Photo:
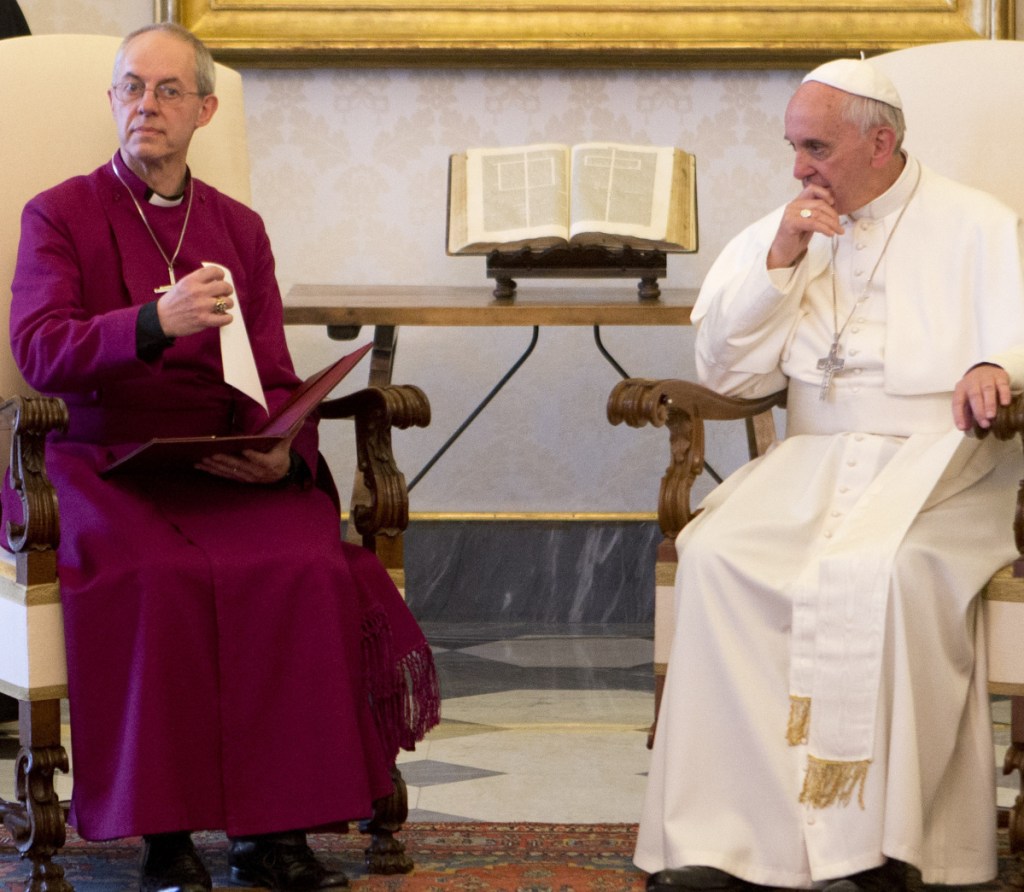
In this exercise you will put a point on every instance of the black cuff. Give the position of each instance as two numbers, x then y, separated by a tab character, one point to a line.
297	471
150	340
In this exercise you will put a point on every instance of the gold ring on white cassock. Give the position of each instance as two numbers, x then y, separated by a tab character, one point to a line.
806	213
220	307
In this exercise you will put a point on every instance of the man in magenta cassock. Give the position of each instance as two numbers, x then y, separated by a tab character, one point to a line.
232	664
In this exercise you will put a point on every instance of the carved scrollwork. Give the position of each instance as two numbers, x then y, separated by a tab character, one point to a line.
1014	761
637	402
376	411
36	820
30	420
386	854
682	407
1007	424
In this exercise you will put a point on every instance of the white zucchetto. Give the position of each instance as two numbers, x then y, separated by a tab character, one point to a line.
856	76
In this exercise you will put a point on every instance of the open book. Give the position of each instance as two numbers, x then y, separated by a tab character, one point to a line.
168	452
592	193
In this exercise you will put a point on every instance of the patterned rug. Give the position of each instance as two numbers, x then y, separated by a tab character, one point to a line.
475	857
470	857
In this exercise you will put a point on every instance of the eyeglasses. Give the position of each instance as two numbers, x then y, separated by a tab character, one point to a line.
165	94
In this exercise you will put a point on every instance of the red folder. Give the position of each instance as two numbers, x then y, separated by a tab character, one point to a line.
165	452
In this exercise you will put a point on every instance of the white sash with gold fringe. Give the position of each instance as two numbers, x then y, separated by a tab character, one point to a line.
839	616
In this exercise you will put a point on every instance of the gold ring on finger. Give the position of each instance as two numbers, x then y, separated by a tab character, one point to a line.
220	307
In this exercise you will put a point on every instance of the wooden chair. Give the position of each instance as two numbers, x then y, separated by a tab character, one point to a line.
961	101
57	124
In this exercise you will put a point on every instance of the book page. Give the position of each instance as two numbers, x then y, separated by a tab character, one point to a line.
518	193
621	189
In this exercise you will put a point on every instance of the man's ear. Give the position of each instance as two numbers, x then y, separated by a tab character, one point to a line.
206	110
884	146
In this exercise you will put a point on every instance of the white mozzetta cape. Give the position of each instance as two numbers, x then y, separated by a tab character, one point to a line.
954	289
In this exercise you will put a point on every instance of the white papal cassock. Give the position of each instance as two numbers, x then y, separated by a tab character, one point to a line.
843	566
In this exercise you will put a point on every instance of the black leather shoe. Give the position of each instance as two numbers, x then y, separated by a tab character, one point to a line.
170	863
889	877
680	879
282	862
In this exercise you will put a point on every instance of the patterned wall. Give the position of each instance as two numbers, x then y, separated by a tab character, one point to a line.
349	172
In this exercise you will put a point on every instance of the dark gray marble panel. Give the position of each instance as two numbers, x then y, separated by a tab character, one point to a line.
531	571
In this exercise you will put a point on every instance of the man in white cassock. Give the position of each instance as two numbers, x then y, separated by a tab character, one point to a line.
825	720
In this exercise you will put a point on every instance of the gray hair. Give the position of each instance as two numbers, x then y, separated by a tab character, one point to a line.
205	70
865	113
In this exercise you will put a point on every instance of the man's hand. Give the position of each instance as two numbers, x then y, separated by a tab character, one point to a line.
250	466
978	394
810	212
190	306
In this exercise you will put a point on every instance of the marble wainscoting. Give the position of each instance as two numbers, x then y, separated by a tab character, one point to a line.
534	570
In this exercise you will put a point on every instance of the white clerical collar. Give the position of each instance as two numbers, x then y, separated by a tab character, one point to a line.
162	201
137	185
893	198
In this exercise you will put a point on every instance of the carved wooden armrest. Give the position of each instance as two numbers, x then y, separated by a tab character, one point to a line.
1008	423
376	410
35	538
35	818
682	406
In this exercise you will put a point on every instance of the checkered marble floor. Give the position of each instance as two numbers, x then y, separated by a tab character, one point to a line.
538	724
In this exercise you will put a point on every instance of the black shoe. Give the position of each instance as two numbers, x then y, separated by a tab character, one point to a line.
890	877
170	863
681	879
280	861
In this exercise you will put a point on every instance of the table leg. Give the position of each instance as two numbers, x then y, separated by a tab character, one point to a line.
382	357
460	430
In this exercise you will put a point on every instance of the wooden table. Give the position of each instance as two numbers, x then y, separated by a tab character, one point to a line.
464	305
343	309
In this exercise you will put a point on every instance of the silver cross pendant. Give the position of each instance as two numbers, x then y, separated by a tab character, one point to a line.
829	365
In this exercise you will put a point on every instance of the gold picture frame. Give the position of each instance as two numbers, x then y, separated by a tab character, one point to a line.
562	33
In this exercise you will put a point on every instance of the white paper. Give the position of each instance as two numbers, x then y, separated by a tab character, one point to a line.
236	351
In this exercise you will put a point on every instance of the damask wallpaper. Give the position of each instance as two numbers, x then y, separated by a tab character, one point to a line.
349	172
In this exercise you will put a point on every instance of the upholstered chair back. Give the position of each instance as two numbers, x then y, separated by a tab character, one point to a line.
951	93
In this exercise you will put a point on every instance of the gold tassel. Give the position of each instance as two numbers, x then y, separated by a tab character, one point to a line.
799	720
827	782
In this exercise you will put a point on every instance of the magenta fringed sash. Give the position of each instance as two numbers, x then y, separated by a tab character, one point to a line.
405	696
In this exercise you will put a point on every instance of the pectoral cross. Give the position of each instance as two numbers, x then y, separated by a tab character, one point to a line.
829	365
170	285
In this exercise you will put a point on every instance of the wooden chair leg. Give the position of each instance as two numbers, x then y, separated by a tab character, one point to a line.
1014	761
386	854
36	819
664	621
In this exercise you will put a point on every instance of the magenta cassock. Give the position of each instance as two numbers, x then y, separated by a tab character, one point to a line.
232	664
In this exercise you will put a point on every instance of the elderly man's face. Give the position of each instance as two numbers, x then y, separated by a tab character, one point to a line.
831	152
152	132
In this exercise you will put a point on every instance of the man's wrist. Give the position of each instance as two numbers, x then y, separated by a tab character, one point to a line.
150	340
